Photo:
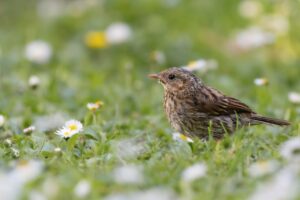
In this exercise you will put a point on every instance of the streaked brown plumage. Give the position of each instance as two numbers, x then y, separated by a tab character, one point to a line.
195	109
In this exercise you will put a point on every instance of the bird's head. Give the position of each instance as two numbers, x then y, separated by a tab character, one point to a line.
176	80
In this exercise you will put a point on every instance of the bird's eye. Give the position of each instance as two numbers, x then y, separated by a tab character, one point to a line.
171	76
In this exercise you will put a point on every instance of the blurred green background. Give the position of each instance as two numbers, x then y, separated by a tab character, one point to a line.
181	30
160	34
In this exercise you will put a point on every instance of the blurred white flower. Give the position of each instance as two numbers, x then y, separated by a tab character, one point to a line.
277	24
159	57
38	52
26	170
78	7
250	8
57	149
252	38
294	97
181	137
194	172
284	185
2	120
48	9
201	65
262	168
29	129
128	174
261	81
94	106
158	193
34	81
118	33
82	189
50	187
290	149
12	182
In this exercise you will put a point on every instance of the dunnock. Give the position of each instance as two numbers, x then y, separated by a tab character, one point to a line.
195	109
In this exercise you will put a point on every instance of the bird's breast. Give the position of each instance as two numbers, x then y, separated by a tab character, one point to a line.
177	109
182	110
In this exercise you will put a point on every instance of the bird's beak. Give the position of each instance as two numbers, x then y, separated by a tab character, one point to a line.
154	76
157	77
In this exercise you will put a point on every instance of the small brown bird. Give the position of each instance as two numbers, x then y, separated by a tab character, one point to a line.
195	109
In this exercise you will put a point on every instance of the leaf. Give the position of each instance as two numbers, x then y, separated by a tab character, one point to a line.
72	141
92	134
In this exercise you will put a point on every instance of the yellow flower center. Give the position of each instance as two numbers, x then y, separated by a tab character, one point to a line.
183	137
73	127
23	163
67	133
192	64
99	103
263	165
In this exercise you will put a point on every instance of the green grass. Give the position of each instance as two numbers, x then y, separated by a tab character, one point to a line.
117	75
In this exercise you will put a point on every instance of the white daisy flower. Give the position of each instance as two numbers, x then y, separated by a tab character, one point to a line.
253	37
2	120
181	137
38	52
262	168
94	106
118	33
250	8
290	149
74	126
70	128
34	81
65	133
201	65
194	172
261	81
129	174
29	129
294	97
82	189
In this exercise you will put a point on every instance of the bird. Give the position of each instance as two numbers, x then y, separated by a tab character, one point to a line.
197	110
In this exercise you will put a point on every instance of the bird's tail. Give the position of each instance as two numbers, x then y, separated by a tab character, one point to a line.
269	120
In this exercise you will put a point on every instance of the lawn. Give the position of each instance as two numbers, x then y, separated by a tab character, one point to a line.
88	60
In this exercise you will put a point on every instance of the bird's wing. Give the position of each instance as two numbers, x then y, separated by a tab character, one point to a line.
215	103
